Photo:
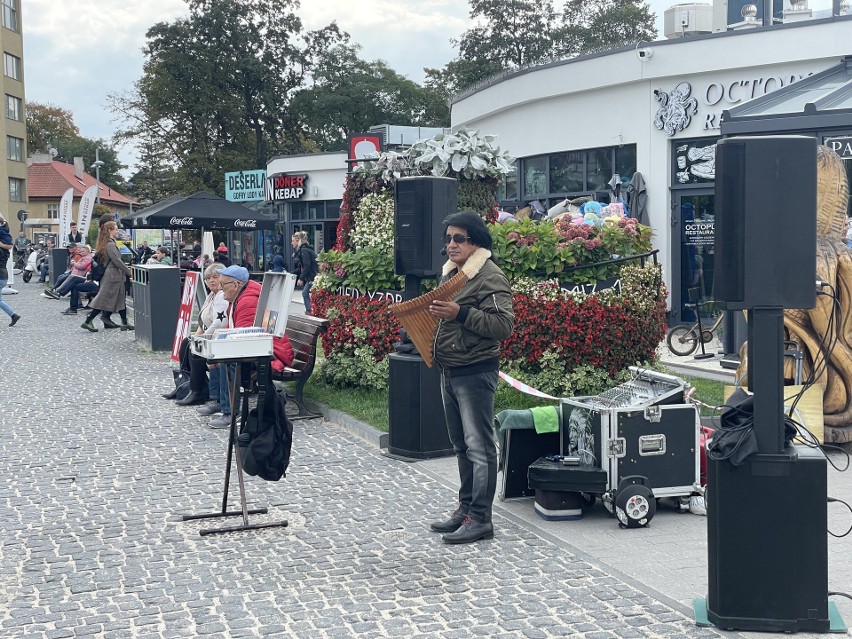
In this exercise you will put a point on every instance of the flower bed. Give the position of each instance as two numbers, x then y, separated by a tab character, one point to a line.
559	340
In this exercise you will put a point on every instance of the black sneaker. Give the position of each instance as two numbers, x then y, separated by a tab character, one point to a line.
69	311
15	319
51	293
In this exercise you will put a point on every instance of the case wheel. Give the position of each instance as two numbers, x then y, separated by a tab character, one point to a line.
635	506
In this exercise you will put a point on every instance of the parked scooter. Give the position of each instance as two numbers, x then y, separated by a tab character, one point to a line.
34	262
21	259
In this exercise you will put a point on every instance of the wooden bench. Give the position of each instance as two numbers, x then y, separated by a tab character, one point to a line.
303	332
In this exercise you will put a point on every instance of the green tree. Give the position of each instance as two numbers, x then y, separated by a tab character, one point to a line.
350	95
599	25
46	124
512	34
216	88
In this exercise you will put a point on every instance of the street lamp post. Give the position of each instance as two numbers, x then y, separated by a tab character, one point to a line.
98	164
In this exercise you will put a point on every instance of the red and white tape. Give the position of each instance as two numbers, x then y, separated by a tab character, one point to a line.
524	388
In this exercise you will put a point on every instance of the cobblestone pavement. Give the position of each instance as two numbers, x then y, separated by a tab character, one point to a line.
96	470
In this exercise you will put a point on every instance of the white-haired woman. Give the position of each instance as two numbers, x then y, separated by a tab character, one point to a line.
5	246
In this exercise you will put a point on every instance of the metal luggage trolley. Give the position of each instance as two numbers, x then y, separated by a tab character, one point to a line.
242	346
644	436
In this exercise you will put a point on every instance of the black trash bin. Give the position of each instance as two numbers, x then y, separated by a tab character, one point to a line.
57	262
417	428
156	302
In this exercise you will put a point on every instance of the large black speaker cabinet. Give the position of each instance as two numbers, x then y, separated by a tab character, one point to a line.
417	428
420	206
767	543
766	222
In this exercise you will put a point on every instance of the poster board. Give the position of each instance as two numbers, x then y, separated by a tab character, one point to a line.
187	303
273	306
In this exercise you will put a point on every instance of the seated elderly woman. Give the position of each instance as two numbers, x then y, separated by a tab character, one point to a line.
213	315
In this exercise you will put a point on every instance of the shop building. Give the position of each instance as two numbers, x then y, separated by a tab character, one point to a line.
306	191
587	125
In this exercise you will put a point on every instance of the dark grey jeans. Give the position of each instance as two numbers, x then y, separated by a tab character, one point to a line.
469	409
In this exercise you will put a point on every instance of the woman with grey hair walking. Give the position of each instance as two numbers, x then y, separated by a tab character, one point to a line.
5	246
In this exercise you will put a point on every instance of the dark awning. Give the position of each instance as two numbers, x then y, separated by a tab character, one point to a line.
821	101
201	210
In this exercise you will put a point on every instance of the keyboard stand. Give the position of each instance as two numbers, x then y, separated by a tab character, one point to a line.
236	391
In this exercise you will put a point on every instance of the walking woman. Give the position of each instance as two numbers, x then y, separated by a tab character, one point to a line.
5	247
111	295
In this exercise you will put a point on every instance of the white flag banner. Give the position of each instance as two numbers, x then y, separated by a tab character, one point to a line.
65	214
84	210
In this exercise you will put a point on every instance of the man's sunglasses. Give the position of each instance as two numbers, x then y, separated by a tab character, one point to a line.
458	238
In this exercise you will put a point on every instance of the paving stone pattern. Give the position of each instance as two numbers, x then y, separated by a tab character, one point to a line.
96	470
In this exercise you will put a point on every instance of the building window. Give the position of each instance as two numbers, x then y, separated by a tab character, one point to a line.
553	177
12	66
14	148
53	211
14	110
535	177
17	191
10	14
507	190
566	172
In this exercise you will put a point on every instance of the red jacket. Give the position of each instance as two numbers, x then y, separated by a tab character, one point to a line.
242	312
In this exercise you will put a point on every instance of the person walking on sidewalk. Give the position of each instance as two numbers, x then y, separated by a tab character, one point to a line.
467	350
111	294
305	266
5	246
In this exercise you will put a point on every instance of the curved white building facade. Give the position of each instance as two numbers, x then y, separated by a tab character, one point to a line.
655	109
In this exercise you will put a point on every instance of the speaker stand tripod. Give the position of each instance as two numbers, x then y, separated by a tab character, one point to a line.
238	391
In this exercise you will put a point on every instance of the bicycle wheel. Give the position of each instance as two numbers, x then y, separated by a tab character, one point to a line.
682	340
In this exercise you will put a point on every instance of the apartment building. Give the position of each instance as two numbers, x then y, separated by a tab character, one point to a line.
13	170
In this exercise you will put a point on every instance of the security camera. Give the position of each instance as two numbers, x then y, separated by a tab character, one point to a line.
644	54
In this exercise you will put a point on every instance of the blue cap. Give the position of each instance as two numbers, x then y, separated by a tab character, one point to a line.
237	272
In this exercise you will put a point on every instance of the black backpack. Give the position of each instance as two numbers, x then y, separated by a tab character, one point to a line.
183	374
266	439
98	270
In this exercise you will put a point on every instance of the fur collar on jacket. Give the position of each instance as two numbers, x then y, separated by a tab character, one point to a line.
473	264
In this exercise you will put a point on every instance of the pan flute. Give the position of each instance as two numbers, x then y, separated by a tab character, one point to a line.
416	319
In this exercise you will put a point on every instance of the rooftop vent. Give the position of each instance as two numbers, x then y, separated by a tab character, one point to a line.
691	19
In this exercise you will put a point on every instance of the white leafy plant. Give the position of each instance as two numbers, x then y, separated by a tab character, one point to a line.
466	153
374	222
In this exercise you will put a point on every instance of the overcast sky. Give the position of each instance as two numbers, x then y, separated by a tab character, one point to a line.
77	53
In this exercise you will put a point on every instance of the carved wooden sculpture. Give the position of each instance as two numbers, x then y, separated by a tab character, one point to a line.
827	343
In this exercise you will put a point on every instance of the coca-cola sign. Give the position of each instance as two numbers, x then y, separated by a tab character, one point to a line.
246	224
181	221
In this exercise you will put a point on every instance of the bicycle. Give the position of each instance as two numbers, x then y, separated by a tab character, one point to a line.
683	340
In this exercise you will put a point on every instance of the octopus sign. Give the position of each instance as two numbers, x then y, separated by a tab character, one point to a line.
676	109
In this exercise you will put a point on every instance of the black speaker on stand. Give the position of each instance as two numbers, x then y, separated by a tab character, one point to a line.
767	517
417	428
